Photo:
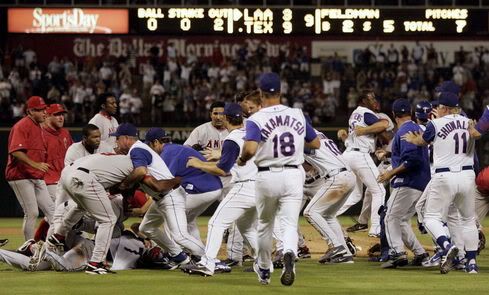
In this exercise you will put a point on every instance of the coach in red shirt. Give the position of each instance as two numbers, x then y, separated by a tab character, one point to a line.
26	165
58	140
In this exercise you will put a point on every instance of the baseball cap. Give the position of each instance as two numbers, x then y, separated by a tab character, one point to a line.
448	99
126	129
233	110
36	102
269	82
448	86
55	108
154	133
423	109
401	106
435	103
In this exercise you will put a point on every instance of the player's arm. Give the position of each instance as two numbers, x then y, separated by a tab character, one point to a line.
311	138
141	159
474	133
481	127
342	135
162	184
252	138
22	157
375	125
230	153
421	139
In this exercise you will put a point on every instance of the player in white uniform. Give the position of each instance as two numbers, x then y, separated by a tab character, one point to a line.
322	209
239	205
105	119
276	135
453	181
168	208
86	183
364	124
208	138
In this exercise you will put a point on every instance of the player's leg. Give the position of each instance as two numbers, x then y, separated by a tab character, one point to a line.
368	173
354	197
465	202
176	221
195	205
52	188
438	200
366	208
44	200
456	234
235	245
481	206
14	259
25	192
239	200
409	237
151	227
59	209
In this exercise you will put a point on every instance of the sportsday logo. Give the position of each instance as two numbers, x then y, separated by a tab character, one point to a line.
75	20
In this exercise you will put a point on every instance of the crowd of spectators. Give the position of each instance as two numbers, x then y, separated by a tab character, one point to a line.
175	90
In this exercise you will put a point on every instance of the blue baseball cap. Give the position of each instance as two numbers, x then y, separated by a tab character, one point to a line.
233	110
423	110
448	86
269	82
435	103
126	129
154	133
448	99
401	106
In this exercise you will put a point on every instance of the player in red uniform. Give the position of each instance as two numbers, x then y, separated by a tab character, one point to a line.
26	165
58	140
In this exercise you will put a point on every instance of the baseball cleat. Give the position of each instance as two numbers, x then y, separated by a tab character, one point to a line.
333	253
263	274
418	260
56	244
278	260
357	227
94	268
446	263
344	258
303	252
434	260
25	249
472	268
231	262
288	272
248	258
459	263
395	260
198	269
222	268
38	249
3	242
178	260
351	246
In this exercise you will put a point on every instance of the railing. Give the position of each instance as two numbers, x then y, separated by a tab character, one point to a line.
284	3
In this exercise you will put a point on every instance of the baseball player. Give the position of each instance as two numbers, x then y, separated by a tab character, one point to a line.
364	124
276	135
453	181
409	176
105	120
322	209
207	138
58	139
90	144
86	184
202	189
239	205
27	165
168	207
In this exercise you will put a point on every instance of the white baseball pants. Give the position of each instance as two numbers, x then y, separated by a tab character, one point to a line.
32	194
195	205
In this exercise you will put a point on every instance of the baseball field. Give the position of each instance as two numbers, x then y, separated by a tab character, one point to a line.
362	277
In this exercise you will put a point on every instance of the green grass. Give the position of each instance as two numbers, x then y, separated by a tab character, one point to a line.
362	277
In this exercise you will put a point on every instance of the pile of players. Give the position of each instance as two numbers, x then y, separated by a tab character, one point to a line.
258	158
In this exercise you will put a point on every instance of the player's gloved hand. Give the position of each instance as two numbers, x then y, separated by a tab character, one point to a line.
421	228
44	167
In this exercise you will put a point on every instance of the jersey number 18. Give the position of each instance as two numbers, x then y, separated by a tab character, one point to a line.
284	143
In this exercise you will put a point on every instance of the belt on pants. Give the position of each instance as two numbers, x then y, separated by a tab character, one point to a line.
241	181
358	150
336	172
83	169
260	169
446	169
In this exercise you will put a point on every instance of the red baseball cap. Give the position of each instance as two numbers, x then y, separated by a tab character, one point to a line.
36	102
55	108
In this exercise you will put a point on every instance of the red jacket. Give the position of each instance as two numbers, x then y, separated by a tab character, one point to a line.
27	136
58	142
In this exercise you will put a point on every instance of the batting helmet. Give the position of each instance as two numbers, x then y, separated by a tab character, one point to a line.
423	110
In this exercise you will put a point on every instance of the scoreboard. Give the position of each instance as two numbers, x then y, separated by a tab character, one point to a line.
310	21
